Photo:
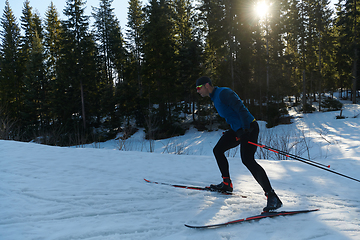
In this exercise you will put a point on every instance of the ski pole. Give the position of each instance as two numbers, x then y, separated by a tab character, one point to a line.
304	160
288	154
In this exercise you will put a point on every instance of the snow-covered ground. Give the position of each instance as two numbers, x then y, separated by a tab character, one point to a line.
98	192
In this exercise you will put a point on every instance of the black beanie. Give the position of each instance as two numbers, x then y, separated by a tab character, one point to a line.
203	80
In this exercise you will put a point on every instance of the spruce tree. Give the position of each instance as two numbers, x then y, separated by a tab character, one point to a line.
28	27
131	88
189	55
343	48
347	24
159	54
107	34
52	40
212	16
52	46
135	26
35	84
10	77
76	69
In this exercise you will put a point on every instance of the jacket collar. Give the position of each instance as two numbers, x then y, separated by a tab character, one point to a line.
213	92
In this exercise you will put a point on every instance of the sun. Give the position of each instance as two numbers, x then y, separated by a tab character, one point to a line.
261	9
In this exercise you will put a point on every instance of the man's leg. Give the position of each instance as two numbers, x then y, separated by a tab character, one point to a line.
247	152
226	142
248	158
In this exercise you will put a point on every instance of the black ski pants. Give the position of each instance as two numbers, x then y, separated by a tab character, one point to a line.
247	152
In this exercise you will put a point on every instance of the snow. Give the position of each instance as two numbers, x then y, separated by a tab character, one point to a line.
97	192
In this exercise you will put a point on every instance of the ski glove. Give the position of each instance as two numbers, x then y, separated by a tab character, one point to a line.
243	133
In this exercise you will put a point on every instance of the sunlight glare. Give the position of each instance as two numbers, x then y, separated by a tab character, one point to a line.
261	9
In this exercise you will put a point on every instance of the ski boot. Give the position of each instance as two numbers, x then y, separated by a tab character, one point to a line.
273	201
224	186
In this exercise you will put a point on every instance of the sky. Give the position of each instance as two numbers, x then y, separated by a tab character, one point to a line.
120	8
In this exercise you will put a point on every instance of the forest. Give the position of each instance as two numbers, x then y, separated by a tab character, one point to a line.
83	78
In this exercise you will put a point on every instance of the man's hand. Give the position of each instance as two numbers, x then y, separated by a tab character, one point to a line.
243	134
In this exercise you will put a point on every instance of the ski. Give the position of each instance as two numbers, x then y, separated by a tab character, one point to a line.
257	217
194	188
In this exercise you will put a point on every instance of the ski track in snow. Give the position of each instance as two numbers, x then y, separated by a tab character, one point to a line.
84	193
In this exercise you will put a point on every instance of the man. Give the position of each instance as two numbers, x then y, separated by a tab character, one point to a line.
244	128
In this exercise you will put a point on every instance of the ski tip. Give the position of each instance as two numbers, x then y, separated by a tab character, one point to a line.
197	227
296	211
257	217
313	210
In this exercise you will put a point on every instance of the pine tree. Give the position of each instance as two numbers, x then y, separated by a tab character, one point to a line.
277	60
76	68
105	23
212	16
52	40
131	88
52	46
36	86
10	77
325	47
28	27
348	15
159	55
35	83
343	65
135	26
189	55
111	55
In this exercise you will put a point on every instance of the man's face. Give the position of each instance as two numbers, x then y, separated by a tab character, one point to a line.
203	90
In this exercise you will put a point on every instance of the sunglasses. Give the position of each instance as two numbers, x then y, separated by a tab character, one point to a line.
199	87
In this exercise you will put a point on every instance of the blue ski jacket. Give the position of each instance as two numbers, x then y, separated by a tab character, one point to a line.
231	107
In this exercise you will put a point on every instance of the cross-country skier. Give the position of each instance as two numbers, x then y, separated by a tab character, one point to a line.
244	128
